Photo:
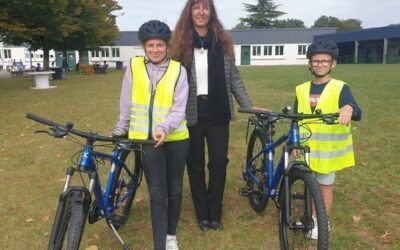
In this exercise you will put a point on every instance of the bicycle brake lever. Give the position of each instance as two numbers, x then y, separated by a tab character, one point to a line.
58	132
43	132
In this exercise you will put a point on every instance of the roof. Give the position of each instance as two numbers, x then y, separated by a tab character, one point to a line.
278	36
260	36
363	35
127	38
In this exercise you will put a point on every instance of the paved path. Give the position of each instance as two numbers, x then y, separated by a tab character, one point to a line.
4	74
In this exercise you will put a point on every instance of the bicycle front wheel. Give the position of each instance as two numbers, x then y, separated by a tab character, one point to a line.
303	193
256	191
126	185
69	223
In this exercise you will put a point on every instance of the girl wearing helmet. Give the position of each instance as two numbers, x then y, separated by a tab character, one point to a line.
331	145
152	106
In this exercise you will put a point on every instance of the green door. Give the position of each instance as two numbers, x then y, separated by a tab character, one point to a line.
59	57
245	55
71	59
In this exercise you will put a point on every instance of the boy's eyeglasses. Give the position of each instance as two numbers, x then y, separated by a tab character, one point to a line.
322	62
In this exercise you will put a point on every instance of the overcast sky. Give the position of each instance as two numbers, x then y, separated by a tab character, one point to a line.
372	13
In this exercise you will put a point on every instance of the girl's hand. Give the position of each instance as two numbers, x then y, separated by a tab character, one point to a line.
159	136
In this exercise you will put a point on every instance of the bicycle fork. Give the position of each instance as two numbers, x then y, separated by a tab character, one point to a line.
286	194
88	201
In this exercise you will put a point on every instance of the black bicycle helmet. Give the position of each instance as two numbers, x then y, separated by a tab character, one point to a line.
323	46
154	29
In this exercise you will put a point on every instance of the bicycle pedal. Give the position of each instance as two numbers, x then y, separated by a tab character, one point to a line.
118	220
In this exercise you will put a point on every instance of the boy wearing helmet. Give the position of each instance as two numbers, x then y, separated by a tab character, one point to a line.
331	145
152	106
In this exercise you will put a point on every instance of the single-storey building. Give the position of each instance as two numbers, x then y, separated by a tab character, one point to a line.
374	45
252	47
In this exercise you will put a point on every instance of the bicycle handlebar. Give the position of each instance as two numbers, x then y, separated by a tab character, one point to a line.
329	118
95	137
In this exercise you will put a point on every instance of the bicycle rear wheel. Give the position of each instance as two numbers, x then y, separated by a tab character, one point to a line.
304	192
126	185
256	192
69	223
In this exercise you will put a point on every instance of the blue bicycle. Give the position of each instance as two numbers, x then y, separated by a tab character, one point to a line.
87	200
290	184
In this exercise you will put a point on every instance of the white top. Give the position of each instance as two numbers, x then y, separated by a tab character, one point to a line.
201	67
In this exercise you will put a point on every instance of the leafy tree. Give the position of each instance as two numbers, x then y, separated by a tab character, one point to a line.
58	24
290	23
96	24
241	26
327	21
262	15
350	24
341	25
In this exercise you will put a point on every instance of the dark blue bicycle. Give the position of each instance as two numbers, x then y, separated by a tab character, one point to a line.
87	200
290	184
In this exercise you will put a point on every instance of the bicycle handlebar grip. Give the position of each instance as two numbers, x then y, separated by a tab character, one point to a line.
137	141
40	119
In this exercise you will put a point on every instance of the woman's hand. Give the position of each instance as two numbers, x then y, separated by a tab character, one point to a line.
159	136
260	109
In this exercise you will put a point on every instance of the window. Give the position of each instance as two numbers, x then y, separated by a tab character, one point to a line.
267	50
7	53
301	50
256	50
279	50
95	53
115	52
105	52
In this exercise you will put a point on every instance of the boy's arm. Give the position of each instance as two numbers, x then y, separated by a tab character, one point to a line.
346	98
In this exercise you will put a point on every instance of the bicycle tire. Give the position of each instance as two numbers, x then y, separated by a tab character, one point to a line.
133	161
258	199
70	220
303	189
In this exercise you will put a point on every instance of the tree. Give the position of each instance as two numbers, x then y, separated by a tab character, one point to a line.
290	23
326	21
58	24
350	24
262	15
241	26
341	25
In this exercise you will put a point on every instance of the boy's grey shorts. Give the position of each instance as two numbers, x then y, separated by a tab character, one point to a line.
325	179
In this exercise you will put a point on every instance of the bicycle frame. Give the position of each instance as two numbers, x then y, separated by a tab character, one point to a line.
87	165
292	141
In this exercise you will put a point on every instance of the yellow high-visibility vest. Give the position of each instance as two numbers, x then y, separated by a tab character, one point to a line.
149	109
331	146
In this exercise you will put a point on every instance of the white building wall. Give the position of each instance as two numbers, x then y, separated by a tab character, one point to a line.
290	56
238	54
22	53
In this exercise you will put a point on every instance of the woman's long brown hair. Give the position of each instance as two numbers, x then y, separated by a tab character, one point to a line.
182	41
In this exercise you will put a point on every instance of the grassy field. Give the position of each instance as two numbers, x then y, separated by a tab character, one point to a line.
366	212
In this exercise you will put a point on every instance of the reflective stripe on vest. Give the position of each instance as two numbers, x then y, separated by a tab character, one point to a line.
331	145
155	108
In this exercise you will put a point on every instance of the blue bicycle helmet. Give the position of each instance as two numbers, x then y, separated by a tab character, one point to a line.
323	46
154	29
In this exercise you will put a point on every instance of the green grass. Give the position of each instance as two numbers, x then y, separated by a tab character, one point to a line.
32	168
